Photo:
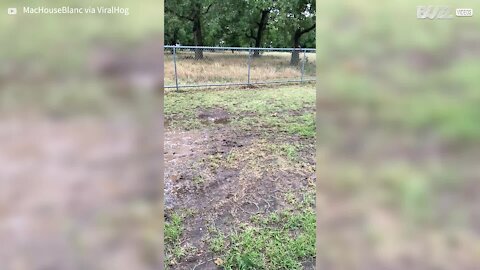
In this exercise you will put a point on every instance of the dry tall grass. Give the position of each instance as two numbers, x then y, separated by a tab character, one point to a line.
228	67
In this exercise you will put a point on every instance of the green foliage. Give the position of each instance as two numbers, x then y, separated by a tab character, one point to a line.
297	15
236	22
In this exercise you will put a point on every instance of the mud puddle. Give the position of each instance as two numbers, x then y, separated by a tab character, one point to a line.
181	148
214	116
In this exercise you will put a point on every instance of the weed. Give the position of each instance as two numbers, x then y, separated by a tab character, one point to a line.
172	233
290	151
217	243
290	198
198	179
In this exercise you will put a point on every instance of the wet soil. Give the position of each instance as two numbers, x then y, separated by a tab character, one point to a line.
200	180
215	116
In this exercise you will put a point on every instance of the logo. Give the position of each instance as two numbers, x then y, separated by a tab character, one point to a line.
434	12
12	11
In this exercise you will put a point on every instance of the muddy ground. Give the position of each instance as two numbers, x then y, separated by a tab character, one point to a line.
222	173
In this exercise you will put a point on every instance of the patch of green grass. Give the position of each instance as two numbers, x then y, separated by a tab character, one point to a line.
172	233
198	179
279	241
299	125
173	228
303	125
290	198
287	150
217	244
308	200
214	161
231	157
250	109
283	239
290	151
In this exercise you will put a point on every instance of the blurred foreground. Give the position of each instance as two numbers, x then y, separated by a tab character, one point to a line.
81	148
398	138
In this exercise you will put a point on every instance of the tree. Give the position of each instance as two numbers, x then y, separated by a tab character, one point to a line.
176	30
298	19
241	23
194	12
261	12
229	28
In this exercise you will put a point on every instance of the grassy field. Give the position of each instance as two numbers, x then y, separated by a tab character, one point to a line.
240	178
398	136
228	67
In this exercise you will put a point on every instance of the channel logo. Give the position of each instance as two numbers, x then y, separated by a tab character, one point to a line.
12	11
434	12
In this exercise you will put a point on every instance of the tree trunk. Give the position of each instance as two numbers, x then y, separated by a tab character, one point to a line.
198	36
295	58
262	26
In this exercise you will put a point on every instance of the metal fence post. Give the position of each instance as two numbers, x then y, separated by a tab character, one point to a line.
249	63
303	64
175	66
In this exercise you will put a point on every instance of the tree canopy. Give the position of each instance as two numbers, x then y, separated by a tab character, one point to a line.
241	23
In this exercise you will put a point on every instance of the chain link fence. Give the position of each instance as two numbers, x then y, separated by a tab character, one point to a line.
192	66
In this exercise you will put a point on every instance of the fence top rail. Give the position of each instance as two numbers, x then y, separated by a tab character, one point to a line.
239	48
